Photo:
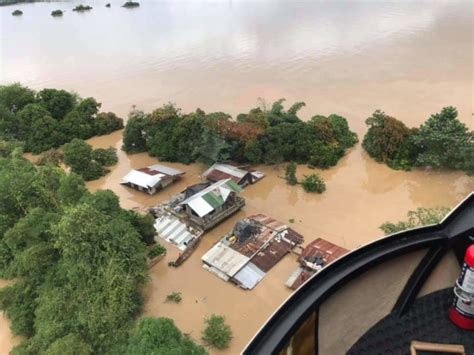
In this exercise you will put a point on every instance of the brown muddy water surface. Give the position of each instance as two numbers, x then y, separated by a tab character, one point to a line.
408	58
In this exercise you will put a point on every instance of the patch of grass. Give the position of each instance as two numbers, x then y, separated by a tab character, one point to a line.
291	220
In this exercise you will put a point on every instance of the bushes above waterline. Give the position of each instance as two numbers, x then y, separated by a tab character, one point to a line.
131	4
82	8
88	162
260	136
49	118
442	142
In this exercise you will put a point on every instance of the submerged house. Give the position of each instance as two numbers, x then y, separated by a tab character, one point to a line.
312	259
210	205
391	296
250	250
242	175
152	178
184	219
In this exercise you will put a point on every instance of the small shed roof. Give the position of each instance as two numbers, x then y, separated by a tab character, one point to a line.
165	170
211	197
220	171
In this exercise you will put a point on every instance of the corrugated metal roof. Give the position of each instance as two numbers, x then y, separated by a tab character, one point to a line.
247	256
227	169
150	176
171	229
211	197
165	170
225	259
249	276
142	179
200	206
221	171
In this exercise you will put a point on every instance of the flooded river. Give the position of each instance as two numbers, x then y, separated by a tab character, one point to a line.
408	58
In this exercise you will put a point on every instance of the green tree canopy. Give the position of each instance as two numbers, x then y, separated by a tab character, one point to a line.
156	336
78	258
260	136
50	118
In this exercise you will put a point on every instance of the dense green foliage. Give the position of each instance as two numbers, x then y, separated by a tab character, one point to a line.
87	162
17	13
442	142
49	118
53	156
260	136
156	250
290	174
78	259
217	333
56	13
420	217
313	183
156	336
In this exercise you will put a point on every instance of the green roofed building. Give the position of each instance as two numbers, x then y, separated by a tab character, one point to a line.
186	216
213	204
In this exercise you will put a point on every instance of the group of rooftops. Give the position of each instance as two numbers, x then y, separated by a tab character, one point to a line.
250	249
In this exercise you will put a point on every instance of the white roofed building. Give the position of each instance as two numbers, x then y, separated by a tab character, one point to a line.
151	179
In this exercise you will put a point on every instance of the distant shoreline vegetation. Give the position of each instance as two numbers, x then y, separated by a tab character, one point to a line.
82	8
14	2
131	4
263	135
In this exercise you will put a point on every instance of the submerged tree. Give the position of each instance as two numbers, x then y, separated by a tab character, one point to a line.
442	142
87	162
49	118
290	174
160	336
418	218
313	183
260	136
217	333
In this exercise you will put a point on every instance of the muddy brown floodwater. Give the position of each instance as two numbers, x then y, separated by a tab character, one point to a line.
409	58
360	196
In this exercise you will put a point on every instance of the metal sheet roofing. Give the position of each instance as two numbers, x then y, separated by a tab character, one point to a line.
249	276
142	179
150	176
211	197
227	169
225	259
221	171
165	170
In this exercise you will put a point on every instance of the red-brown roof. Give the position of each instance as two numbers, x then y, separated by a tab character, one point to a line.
323	248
